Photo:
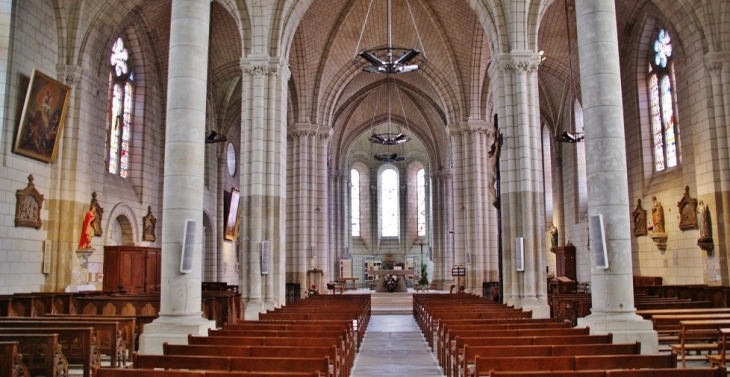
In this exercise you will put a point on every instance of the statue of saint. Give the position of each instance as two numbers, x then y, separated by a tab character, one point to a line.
553	235
703	223
87	229
657	215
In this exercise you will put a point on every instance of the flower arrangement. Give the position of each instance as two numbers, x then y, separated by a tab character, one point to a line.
391	281
424	275
313	290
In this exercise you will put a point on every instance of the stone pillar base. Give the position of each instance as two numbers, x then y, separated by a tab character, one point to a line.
540	309
253	308
271	305
626	328
173	330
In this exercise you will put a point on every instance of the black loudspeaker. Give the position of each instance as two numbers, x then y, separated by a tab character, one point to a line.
598	242
264	257
520	254
186	256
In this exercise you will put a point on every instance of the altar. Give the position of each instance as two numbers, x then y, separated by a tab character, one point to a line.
400	274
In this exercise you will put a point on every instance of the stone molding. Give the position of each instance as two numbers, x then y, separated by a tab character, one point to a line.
714	62
70	74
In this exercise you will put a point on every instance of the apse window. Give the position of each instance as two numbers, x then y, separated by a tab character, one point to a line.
421	198
355	202
121	86
231	159
389	203
663	102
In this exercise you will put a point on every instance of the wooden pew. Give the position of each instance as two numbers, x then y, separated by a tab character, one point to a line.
42	353
117	372
443	324
331	352
450	363
227	363
11	363
77	343
657	372
343	357
109	335
720	359
466	366
668	326
452	351
698	336
484	365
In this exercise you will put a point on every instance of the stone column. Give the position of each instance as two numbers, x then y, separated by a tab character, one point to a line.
522	194
263	181
182	199
612	293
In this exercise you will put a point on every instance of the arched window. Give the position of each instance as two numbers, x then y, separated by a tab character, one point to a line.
662	102
121	88
389	204
355	202
421	197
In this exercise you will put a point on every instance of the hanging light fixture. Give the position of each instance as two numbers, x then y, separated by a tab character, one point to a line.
384	143
389	59
569	136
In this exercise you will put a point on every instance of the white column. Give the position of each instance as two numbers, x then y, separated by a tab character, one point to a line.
612	293
521	186
182	199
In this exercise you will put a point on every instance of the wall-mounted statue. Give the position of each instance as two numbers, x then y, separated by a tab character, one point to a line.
98	230
704	223
87	229
687	211
553	235
657	216
639	217
150	224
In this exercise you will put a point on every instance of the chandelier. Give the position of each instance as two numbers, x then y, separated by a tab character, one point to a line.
390	59
384	143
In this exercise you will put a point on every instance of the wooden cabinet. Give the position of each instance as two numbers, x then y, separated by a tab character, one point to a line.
565	261
132	269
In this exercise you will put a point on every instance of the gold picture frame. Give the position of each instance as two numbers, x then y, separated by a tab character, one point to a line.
231	215
43	117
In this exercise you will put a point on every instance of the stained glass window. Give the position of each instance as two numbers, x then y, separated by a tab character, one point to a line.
662	103
421	197
389	203
355	202
120	115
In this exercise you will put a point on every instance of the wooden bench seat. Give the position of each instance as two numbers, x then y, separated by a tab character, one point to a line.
657	372
331	352
484	365
698	336
228	363
668	326
109	334
117	372
11	361
77	343
42	353
466	366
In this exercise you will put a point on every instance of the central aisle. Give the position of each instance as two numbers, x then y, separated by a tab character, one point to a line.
393	346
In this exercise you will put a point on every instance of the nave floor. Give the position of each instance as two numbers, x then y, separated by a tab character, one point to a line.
394	346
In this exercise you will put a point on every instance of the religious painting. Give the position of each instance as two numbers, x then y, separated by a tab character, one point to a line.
231	214
42	119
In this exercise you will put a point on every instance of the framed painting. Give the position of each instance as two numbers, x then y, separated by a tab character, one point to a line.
41	122
231	215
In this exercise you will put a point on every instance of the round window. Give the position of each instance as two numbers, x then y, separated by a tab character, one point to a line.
231	158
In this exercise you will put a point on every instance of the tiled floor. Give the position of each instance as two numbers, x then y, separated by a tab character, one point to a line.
393	346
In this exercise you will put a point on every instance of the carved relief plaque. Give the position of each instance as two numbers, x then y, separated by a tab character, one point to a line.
28	206
687	211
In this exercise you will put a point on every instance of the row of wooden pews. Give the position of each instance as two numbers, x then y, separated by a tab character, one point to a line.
320	335
702	331
492	344
78	328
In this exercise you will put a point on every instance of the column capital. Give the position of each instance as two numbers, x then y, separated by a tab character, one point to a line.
300	129
264	66
471	127
519	61
70	74
714	61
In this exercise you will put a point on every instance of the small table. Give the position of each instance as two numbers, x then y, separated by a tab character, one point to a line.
353	280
